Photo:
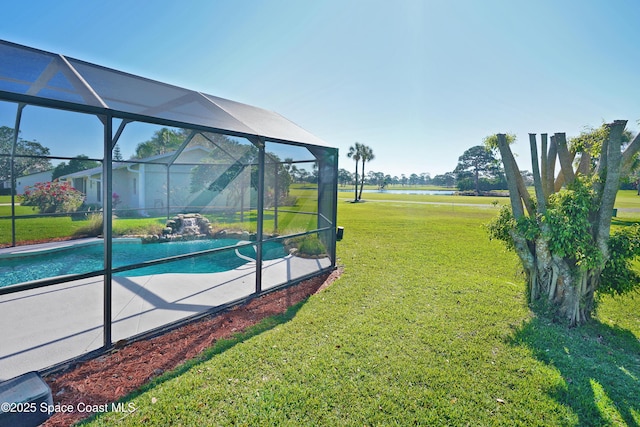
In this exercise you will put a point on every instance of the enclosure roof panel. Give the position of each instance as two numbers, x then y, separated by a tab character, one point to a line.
29	72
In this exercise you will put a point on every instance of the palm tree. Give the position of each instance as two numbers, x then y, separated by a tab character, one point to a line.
366	156
355	153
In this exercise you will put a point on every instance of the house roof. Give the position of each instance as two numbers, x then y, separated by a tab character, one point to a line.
39	77
118	165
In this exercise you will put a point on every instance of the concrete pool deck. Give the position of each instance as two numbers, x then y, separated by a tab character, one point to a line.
47	326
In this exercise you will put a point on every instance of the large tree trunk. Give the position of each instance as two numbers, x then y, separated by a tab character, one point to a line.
553	284
355	197
557	281
477	182
362	180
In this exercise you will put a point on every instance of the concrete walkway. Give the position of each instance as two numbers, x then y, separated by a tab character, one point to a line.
47	326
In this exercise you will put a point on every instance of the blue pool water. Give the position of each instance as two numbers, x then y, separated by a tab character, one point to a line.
87	258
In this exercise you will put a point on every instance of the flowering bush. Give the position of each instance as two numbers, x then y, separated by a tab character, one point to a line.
115	200
51	197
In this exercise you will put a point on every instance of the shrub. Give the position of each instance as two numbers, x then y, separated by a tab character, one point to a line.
93	227
127	212
308	246
85	210
311	246
53	197
115	200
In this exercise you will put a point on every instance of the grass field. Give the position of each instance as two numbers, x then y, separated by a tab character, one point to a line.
398	187
428	325
291	219
431	199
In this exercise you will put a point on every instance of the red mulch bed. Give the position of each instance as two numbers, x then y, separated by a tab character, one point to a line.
107	378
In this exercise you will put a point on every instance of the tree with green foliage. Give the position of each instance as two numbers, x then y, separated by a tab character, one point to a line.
444	180
21	165
163	141
355	153
562	234
117	154
344	177
77	164
476	163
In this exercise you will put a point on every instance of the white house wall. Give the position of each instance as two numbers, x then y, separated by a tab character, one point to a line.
94	187
31	180
123	186
143	186
154	183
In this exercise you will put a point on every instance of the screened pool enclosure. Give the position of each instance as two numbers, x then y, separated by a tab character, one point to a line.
130	205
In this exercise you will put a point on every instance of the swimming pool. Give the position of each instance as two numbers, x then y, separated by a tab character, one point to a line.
89	257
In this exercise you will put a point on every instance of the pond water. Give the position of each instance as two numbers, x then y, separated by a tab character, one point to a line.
87	258
407	191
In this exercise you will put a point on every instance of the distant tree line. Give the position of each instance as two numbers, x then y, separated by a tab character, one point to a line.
478	170
382	180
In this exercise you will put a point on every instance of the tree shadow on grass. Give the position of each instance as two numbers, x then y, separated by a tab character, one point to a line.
600	366
219	347
225	344
624	222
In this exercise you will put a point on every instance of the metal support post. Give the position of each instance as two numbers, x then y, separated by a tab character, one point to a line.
260	216
107	224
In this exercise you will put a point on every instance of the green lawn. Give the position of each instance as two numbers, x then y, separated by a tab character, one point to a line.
428	325
300	216
291	219
628	199
431	199
398	187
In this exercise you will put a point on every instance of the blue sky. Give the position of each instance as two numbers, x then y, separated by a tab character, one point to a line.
418	81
